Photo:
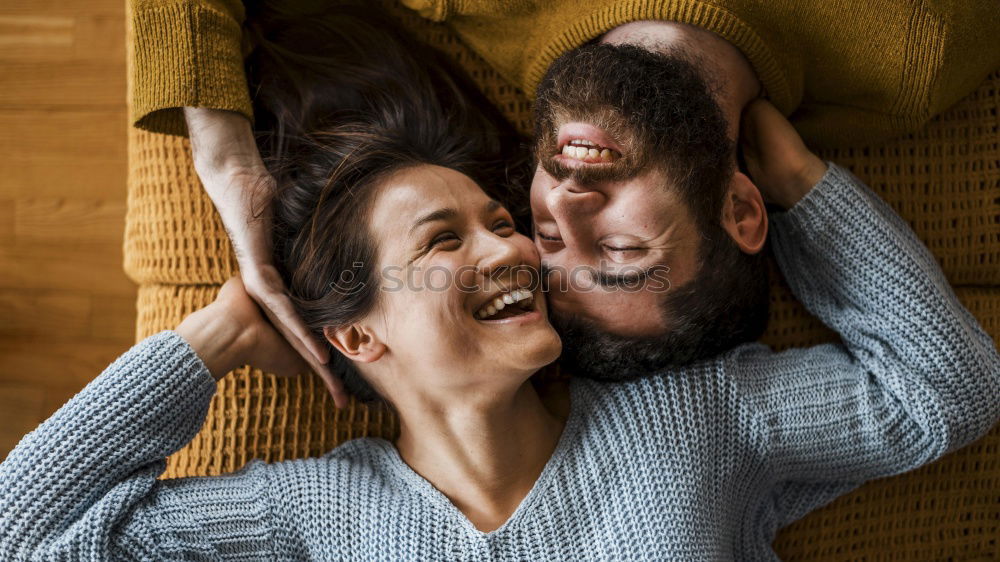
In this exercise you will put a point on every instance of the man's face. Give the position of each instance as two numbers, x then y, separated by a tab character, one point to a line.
612	223
613	245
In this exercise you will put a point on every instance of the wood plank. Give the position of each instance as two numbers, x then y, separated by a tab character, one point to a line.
52	134
59	314
56	153
21	409
72	362
63	8
39	177
44	38
75	221
6	221
112	318
30	34
94	269
62	84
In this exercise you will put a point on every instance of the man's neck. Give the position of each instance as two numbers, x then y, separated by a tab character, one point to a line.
728	72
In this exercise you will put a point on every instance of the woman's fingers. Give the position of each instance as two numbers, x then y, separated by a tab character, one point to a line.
274	354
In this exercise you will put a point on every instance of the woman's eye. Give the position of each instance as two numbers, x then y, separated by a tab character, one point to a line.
442	239
504	226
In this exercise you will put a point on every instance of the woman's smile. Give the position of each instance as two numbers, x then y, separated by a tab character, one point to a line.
505	305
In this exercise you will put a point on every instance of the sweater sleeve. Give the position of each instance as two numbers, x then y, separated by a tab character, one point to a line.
185	53
83	485
916	377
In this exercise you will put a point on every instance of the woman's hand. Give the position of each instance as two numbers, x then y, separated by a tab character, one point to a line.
231	332
228	163
777	159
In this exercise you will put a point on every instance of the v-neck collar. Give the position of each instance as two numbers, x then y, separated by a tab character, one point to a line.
551	468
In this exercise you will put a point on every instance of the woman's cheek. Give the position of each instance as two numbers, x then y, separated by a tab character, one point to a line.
529	252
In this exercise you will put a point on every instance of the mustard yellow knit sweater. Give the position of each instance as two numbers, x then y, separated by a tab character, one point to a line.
846	70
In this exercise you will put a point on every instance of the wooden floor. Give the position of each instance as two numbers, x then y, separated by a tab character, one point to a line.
66	307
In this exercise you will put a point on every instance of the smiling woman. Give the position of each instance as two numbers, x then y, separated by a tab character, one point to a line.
345	149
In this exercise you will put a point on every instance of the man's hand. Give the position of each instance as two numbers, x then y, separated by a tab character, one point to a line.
777	159
228	163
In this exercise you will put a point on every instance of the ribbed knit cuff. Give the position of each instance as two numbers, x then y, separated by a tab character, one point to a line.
706	15
166	373
836	191
841	209
184	55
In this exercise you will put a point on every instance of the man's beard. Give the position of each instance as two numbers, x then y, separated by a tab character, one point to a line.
658	108
661	112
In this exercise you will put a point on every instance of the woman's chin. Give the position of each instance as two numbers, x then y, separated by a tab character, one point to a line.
543	348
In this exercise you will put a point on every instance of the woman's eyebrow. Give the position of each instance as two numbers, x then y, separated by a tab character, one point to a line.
442	214
448	213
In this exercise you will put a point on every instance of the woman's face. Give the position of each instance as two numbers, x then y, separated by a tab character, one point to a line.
449	258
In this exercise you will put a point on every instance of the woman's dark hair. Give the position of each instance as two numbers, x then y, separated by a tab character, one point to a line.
342	99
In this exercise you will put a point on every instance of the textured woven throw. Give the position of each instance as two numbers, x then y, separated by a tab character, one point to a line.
944	180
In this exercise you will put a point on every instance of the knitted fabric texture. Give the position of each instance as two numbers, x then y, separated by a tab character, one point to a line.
700	463
944	180
850	71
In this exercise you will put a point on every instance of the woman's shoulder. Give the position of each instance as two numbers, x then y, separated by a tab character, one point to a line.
358	470
364	457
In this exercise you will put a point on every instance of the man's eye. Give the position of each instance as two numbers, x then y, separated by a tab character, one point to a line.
549	238
625	249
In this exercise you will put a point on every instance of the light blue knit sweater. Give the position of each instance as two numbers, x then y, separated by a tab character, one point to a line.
704	463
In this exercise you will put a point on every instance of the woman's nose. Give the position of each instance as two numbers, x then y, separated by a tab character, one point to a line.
499	254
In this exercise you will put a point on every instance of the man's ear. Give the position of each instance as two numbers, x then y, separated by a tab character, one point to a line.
743	214
356	341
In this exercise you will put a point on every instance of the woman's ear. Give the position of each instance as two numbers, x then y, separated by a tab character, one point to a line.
356	342
743	214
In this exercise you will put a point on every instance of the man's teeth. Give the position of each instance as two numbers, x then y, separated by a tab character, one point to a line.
588	151
499	303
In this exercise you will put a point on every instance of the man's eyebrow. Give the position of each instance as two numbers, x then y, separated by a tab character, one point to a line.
614	280
493	205
442	214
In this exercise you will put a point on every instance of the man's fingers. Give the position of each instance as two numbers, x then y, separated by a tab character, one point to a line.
303	363
333	383
269	294
282	307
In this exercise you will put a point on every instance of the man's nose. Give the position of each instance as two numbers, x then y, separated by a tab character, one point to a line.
573	209
569	200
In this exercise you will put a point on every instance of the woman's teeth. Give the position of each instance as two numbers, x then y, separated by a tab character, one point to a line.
582	149
496	305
